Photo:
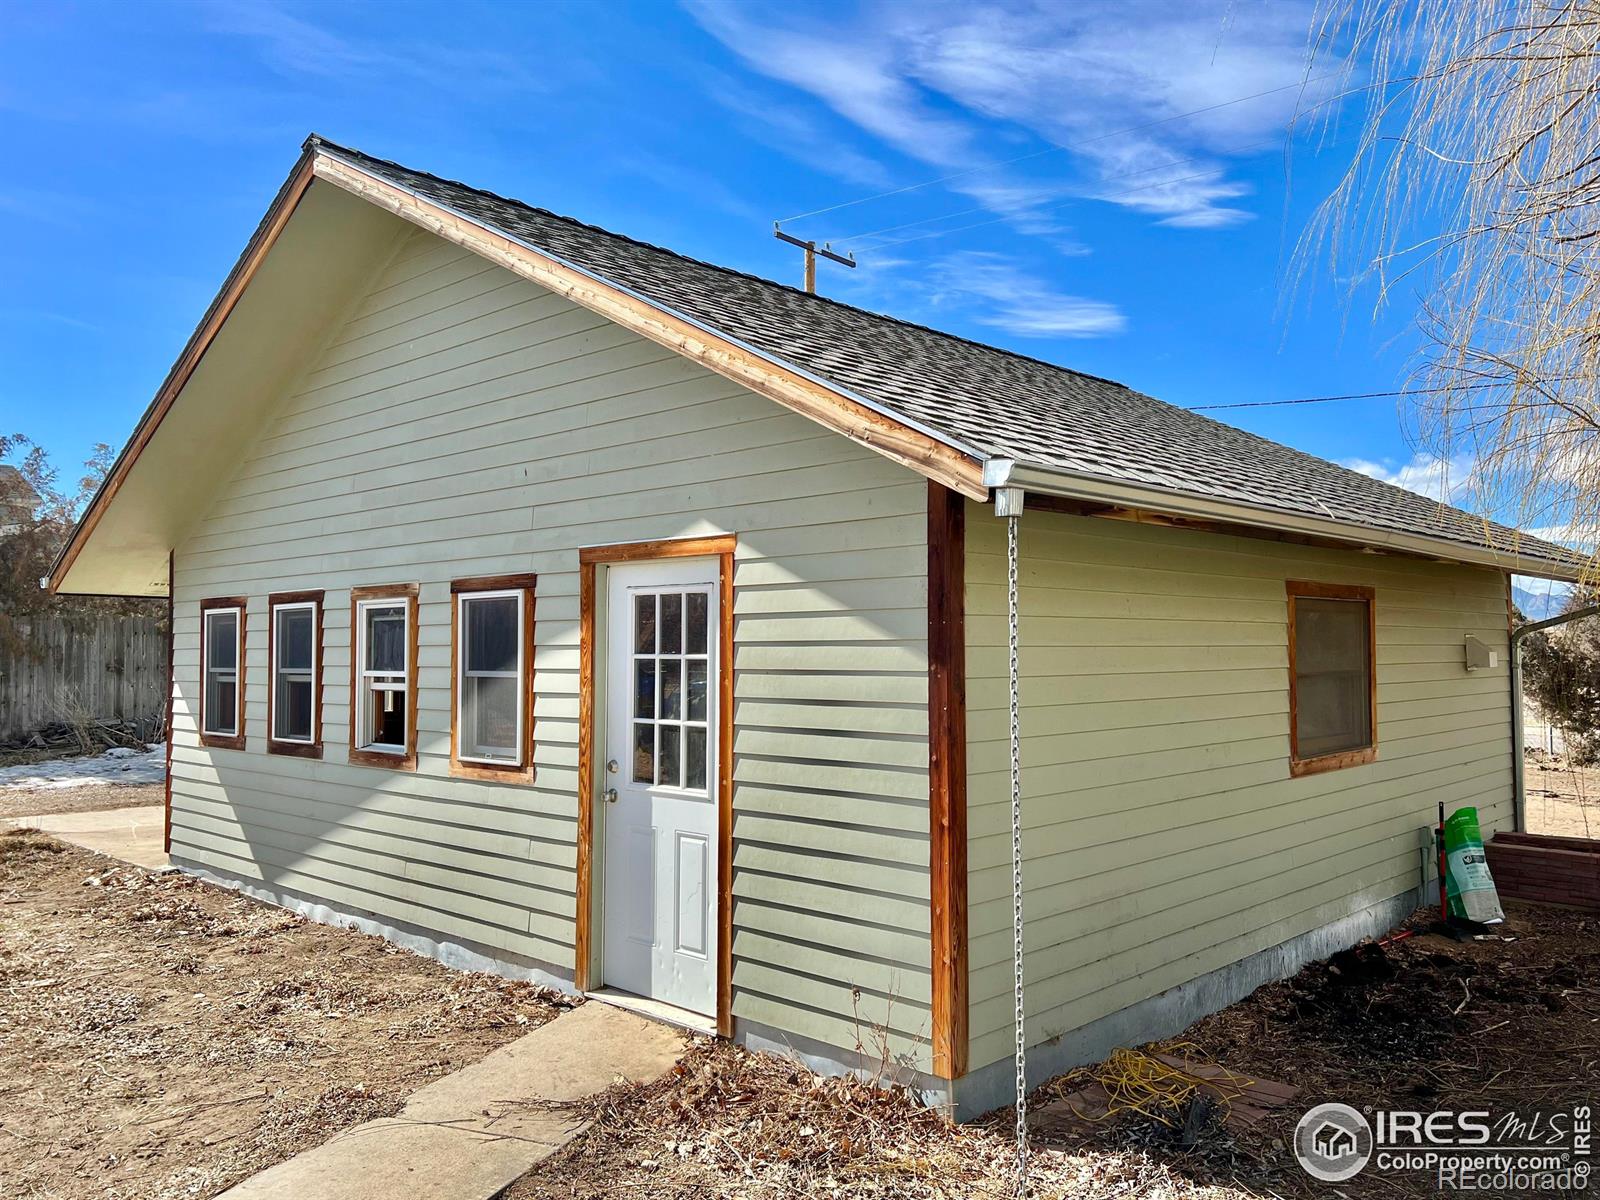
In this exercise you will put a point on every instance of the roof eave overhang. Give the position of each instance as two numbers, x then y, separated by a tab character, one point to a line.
1007	472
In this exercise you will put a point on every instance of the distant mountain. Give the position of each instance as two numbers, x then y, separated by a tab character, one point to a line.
1536	606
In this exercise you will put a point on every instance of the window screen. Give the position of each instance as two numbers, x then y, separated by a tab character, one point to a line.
1332	675
221	701
490	721
294	672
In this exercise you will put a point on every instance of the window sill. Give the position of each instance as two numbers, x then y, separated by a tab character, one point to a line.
491	772
377	758
1332	762
295	749
222	741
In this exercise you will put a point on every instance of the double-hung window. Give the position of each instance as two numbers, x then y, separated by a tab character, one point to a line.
384	719
493	654
294	699
1333	711
222	672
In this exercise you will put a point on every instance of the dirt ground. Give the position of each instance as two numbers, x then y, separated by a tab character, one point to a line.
161	1037
88	797
1562	799
1426	1023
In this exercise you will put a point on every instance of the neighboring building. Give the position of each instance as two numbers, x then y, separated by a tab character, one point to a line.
552	602
18	501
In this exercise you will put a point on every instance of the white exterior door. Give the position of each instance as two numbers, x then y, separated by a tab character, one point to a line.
658	785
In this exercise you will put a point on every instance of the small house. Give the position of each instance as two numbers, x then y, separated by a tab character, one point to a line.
556	604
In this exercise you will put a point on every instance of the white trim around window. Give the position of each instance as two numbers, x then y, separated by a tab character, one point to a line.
222	624
491	685
294	698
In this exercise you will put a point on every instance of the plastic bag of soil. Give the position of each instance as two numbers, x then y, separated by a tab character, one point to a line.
1469	886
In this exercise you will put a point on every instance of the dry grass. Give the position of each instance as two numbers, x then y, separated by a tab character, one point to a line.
88	797
161	1037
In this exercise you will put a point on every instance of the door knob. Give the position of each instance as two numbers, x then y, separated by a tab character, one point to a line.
611	795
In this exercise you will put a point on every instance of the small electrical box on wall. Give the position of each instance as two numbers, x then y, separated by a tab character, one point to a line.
1480	656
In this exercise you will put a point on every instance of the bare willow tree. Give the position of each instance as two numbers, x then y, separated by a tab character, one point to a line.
1475	188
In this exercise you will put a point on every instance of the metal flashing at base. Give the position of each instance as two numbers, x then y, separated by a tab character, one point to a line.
460	956
1174	1010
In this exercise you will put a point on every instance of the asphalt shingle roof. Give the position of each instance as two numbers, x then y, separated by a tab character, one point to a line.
993	401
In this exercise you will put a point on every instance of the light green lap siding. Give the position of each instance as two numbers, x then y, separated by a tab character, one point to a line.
464	422
1164	836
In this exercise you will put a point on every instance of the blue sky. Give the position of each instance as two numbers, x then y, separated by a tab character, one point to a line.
1084	217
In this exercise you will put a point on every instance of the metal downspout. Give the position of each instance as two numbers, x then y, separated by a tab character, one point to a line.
1519	783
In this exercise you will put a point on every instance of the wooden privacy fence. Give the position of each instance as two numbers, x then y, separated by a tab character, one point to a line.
102	666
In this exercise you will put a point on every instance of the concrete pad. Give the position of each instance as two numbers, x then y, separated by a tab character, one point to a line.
471	1134
134	835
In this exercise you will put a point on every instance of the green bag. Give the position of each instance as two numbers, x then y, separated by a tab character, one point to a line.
1469	886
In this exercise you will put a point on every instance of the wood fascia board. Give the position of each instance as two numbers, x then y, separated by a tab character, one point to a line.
841	413
222	306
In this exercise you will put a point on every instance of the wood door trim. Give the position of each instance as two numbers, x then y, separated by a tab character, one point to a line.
947	777
722	548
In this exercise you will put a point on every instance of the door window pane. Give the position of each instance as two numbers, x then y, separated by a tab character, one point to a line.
667	762
671	681
694	769
671	623
695	624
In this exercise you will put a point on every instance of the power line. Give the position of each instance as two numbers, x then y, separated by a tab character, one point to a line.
1469	387
1058	149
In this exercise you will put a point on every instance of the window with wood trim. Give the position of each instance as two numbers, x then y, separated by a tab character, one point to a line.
383	709
1333	706
294	655
491	655
222	623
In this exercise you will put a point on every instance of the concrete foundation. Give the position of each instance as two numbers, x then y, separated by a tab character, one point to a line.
993	1086
463	956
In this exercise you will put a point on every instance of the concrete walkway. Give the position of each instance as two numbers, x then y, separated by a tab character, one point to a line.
134	835
471	1134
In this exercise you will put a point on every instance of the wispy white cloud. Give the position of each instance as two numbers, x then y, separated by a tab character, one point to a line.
1446	479
939	81
993	290
293	45
788	128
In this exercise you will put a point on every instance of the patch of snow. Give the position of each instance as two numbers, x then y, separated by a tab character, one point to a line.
120	764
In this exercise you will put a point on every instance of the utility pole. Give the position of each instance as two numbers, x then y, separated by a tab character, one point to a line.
812	250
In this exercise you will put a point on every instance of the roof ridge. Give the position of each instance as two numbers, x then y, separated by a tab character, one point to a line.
318	139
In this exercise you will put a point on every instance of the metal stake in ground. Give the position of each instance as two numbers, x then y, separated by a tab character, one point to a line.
1008	502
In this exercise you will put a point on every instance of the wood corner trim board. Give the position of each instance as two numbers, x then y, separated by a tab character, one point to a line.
947	776
722	547
172	574
893	439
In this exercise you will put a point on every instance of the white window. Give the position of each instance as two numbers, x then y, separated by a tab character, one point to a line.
491	695
383	691
220	708
294	672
